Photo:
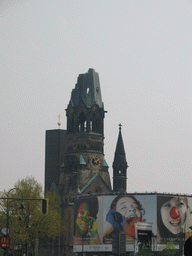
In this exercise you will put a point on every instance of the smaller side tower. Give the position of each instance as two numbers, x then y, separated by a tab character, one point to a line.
120	166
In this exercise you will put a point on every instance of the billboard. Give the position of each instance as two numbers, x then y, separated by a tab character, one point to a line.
88	220
146	220
174	218
98	218
120	213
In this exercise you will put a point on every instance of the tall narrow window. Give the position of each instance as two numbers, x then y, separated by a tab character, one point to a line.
82	119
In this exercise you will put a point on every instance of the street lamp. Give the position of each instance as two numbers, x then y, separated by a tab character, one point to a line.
21	208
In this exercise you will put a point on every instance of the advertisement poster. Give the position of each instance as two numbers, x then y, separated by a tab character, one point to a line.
88	226
174	218
145	220
120	213
87	221
98	218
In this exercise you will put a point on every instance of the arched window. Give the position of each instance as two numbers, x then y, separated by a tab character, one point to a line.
82	123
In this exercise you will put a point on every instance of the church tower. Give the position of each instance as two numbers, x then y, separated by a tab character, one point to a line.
84	157
75	162
120	166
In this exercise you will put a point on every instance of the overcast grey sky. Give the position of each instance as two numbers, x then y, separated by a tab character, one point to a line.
142	51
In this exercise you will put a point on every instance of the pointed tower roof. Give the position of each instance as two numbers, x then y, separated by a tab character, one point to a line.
120	166
120	157
87	89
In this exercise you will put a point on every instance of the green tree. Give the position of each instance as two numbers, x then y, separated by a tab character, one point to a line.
29	224
145	252
170	249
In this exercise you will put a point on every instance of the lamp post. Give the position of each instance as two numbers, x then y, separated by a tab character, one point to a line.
7	224
83	245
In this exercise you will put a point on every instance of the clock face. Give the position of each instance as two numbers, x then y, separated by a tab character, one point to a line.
95	161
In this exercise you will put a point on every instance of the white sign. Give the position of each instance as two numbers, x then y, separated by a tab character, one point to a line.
143	226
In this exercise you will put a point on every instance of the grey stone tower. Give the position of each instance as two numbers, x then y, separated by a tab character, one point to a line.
120	166
84	155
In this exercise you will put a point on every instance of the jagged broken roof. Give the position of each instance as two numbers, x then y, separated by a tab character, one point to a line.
87	89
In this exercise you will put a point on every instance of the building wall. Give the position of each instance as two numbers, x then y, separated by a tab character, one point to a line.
54	156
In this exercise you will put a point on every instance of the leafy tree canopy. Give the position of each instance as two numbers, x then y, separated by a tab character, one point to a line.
29	224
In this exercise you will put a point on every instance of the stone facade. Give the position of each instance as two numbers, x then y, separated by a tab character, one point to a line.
83	169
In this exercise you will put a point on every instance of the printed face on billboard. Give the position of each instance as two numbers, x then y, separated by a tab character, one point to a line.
173	217
83	219
85	230
174	213
130	210
120	214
